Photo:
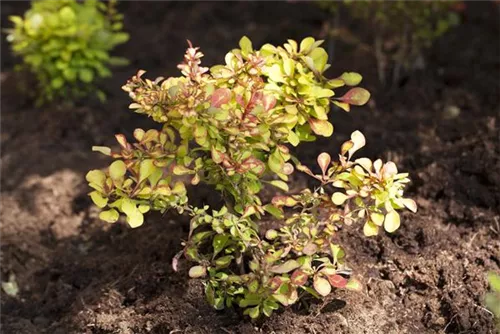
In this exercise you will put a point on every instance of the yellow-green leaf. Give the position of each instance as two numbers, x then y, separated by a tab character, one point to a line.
339	198
322	286
392	221
321	127
98	199
117	170
370	229
109	216
351	78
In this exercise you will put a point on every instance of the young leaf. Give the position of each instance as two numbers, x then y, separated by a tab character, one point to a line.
321	127
197	272
410	204
322	286
109	216
220	97
117	170
285	267
392	221
337	281
351	78
339	198
354	285
324	161
370	229
280	185
356	96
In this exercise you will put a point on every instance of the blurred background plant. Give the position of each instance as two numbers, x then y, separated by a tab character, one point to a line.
65	44
400	31
492	299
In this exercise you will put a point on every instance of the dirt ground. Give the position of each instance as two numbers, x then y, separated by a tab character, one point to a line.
77	274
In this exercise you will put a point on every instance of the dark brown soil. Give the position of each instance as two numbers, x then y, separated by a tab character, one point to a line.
79	275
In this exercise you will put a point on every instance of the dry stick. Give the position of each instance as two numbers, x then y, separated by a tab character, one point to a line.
400	56
379	55
331	35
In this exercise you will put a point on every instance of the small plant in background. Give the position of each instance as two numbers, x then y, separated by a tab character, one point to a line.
66	44
492	299
401	30
229	126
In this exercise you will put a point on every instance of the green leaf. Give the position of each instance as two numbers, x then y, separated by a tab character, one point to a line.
370	229
351	78
245	45
109	216
354	285
220	241
494	281
117	170
86	75
146	168
253	312
67	14
57	83
96	177
306	45
280	185
102	149
285	267
134	217
11	287
293	138
275	73
276	212
320	58
377	218
98	199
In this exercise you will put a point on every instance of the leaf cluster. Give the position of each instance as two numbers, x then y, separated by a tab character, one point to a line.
407	27
229	126
66	44
426	20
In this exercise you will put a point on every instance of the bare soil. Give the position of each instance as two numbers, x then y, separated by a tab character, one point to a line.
80	275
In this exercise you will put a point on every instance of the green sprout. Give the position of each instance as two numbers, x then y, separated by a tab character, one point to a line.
66	44
229	126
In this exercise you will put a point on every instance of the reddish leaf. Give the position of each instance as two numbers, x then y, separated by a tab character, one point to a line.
356	96
283	201
253	164
299	277
337	281
122	140
275	283
268	101
220	96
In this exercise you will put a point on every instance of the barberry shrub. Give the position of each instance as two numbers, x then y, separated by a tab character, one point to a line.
400	31
66	45
230	126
